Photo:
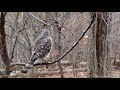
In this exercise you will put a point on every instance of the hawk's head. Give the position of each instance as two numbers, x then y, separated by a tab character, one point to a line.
45	31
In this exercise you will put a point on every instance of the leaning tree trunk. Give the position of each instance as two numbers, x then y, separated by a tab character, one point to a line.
3	50
99	62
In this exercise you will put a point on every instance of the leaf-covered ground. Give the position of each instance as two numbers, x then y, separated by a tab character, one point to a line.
52	71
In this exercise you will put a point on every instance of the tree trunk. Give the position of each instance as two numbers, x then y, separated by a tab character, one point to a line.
57	45
3	50
99	64
108	61
101	45
59	53
92	61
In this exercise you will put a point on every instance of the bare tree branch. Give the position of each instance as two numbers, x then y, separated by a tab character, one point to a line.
16	38
71	47
12	36
20	43
23	64
39	19
17	63
104	19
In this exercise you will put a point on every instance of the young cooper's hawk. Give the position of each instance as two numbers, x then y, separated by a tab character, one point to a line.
41	49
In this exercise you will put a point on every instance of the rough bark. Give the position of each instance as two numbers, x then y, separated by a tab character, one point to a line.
3	50
92	68
101	44
99	62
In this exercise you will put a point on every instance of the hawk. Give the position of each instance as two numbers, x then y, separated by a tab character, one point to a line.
41	49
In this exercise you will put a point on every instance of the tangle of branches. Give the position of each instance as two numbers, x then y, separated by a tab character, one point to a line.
60	58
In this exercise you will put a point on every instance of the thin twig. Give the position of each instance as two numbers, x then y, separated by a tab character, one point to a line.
55	20
104	19
12	55
39	19
69	31
20	44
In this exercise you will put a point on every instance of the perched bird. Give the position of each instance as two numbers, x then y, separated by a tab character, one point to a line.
41	49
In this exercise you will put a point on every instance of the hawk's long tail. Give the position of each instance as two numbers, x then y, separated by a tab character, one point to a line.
28	66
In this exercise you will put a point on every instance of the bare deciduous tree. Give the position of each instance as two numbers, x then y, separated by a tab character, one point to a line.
4	54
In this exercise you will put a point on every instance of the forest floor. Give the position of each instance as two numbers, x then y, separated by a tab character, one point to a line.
69	71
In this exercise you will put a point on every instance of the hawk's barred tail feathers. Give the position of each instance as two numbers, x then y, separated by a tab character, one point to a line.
27	68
